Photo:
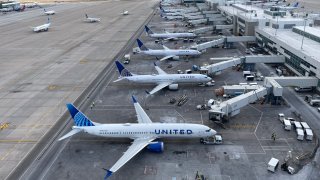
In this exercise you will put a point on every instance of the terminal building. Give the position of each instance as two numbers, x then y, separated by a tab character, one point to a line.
290	34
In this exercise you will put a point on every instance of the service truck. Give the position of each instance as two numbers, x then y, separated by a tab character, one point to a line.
216	139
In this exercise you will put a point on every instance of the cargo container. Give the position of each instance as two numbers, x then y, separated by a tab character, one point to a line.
273	164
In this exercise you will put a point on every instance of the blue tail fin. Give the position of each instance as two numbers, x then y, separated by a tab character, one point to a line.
141	45
148	30
122	70
79	118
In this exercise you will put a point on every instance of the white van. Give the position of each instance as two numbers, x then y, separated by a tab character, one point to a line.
305	125
303	89
281	117
287	124
300	134
309	134
297	125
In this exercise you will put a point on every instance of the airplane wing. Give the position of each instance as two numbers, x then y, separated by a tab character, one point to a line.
136	146
160	71
170	38
141	114
159	87
167	57
165	47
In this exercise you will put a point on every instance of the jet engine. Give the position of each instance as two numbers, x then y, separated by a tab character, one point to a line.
175	57
173	86
157	146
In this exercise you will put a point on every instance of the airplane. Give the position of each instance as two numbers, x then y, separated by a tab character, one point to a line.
144	133
170	18
171	14
162	79
288	7
51	12
166	52
185	10
91	19
125	13
169	36
43	27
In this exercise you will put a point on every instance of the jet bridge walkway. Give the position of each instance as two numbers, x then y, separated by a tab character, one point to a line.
231	107
221	40
220	66
277	83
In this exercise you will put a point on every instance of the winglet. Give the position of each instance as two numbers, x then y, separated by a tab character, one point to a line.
109	173
134	99
155	64
148	92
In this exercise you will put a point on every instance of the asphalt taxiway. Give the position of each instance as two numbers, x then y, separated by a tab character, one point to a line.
40	72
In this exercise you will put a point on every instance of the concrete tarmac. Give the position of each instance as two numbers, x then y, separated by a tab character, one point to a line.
40	72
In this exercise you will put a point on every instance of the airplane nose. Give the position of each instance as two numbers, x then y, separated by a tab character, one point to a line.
214	132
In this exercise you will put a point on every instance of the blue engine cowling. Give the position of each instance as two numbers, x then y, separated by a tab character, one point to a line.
156	146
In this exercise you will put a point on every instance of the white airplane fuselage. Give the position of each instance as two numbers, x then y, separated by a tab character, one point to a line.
49	12
174	17
170	52
159	130
172	35
175	78
93	19
43	27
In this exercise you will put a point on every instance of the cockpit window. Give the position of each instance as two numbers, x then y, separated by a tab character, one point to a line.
208	130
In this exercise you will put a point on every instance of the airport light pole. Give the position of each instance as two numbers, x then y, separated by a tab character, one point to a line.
277	23
304	31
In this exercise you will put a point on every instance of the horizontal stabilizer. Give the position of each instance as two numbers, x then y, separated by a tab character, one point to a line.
109	173
71	133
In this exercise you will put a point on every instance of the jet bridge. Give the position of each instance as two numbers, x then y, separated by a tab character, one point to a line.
217	67
217	27
241	38
197	22
209	44
221	27
277	83
231	107
201	30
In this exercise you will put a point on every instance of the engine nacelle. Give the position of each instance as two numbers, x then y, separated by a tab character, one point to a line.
157	146
173	86
175	57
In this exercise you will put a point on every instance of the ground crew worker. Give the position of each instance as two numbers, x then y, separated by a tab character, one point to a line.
273	136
